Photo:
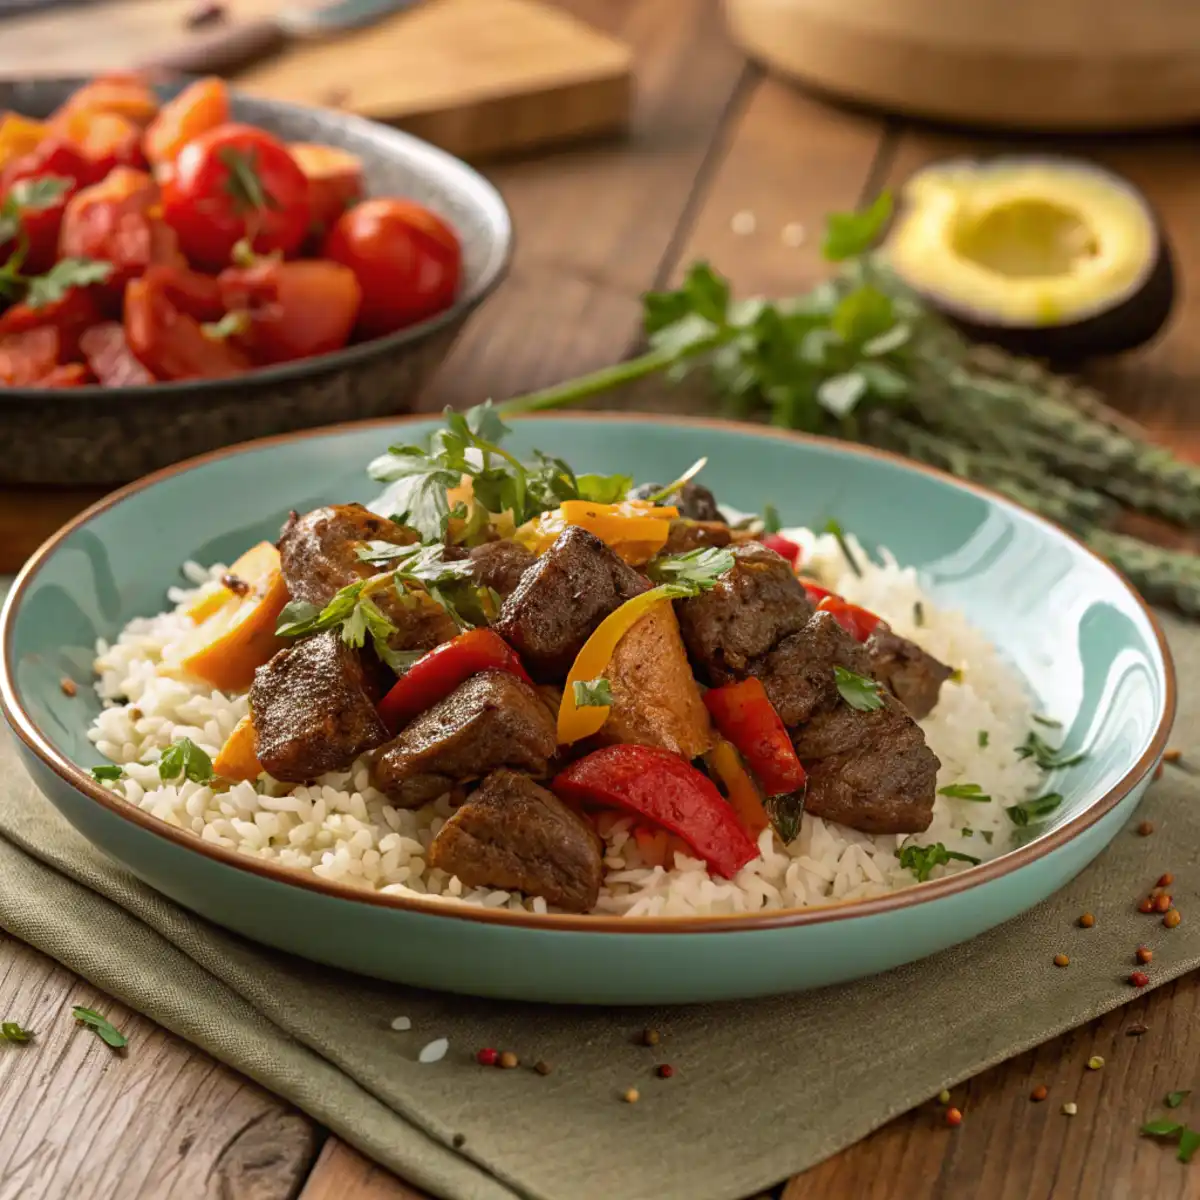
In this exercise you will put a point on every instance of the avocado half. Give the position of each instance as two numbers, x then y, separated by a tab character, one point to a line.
1046	257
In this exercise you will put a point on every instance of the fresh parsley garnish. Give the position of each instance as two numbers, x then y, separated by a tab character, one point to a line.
965	791
232	324
593	693
184	759
857	690
849	235
1045	755
967	832
1188	1139
983	739
107	772
10	1031
770	519
918	614
671	488
701	568
1049	722
1189	1143
785	811
107	1032
921	860
1031	810
1175	1099
833	527
1162	1128
33	195
469	444
67	273
603	489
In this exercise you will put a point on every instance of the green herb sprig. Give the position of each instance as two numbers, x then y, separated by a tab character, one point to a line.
921	860
857	690
965	791
592	693
701	567
104	1030
1033	810
12	1031
183	759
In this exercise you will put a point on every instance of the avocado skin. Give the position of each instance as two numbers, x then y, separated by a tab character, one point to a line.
1131	323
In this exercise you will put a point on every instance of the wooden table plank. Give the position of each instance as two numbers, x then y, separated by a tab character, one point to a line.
342	1173
162	1120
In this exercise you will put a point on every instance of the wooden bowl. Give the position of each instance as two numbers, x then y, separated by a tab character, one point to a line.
97	435
1047	65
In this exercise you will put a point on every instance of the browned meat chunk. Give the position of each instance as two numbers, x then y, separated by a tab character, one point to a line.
913	675
515	835
754	605
561	599
655	698
500	565
696	535
492	720
869	770
798	673
695	502
319	556
313	707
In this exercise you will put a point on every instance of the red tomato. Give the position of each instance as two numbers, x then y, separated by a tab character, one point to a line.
70	316
235	182
72	375
171	344
27	357
292	309
201	106
197	295
407	259
119	221
55	158
111	360
782	545
856	621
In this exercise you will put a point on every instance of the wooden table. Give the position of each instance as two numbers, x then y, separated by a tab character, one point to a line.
598	226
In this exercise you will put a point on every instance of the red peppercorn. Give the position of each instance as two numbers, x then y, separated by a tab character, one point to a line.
1139	979
1144	954
1166	879
1145	828
487	1057
953	1117
666	1071
1172	918
1147	905
1162	903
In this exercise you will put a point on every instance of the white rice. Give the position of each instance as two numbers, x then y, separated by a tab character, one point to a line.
341	829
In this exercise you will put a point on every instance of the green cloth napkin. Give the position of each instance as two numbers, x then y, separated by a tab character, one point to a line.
761	1089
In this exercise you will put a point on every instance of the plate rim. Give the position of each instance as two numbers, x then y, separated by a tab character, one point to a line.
27	730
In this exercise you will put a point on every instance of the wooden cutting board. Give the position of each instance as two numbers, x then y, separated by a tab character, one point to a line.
477	77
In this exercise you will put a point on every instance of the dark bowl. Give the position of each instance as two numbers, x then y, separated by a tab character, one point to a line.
96	435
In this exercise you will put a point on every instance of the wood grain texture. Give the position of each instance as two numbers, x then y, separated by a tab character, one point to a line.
342	1173
159	1121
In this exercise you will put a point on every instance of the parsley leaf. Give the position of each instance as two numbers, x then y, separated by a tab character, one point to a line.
593	693
833	527
107	1032
770	519
33	195
1189	1143
1022	814
921	860
785	811
983	739
1175	1099
1049	722
1045	755
701	568
857	690
965	791
107	772
184	759
848	235
603	489
918	614
1162	1128
64	275
10	1031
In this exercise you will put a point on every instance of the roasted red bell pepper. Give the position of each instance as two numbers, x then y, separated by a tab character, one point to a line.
660	787
745	716
857	622
816	593
784	546
434	676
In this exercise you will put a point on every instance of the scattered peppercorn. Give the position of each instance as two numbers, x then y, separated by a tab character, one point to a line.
1172	756
1172	918
651	1037
1162	903
1061	960
459	1140
486	1057
1087	921
1070	1108
1095	1063
1166	879
1144	954
508	1060
1146	828
1139	979
1158	773
666	1071
69	686
1039	1093
1147	905
542	1068
1136	1030
631	1096
943	1097
953	1117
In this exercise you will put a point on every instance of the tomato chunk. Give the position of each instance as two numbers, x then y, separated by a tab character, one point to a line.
71	375
27	357
201	106
70	315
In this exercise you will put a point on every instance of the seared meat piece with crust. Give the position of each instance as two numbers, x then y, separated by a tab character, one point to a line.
492	720
913	675
313	708
798	673
500	565
871	771
561	599
754	605
512	834
696	535
693	500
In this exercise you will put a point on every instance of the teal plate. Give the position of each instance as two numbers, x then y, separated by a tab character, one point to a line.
1089	649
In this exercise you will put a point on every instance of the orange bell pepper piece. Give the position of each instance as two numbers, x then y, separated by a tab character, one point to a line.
238	758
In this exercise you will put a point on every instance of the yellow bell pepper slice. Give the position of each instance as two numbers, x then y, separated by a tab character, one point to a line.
637	531
255	565
575	723
740	788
